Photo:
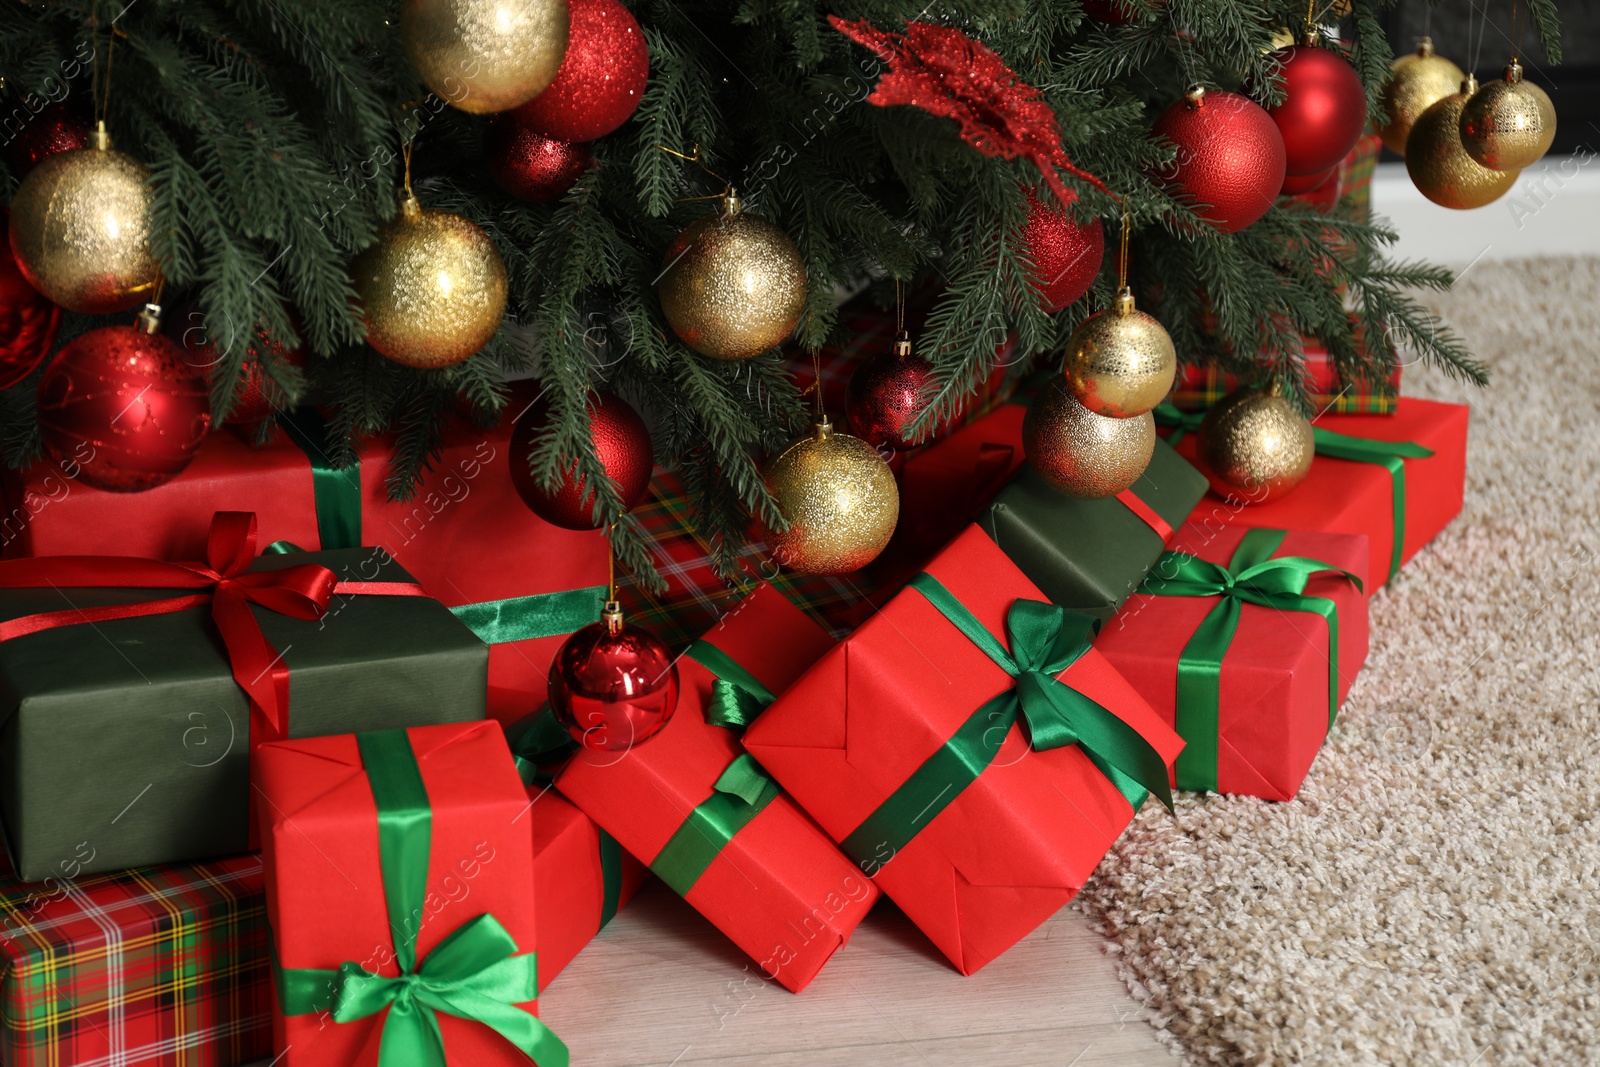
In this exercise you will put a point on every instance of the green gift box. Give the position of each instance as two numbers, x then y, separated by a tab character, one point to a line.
128	711
1090	555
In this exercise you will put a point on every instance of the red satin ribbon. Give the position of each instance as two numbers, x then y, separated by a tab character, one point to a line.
1147	513
302	592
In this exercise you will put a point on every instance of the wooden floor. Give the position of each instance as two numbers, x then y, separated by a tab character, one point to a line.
661	987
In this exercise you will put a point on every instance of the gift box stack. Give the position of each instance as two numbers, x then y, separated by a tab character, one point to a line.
329	795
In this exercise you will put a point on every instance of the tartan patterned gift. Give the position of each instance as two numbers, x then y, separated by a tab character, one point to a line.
155	966
1197	388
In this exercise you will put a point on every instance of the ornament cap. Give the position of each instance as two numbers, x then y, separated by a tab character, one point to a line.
149	319
1513	72
410	206
1124	304
100	138
1469	85
611	615
1195	96
1312	37
902	345
1424	47
821	429
731	204
1274	388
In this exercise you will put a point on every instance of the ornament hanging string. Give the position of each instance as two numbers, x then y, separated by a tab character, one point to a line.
694	157
1122	251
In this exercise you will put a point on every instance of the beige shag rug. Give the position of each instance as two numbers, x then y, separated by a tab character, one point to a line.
1433	896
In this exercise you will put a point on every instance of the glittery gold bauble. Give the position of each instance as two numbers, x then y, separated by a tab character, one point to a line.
1254	445
732	285
485	55
1438	162
1120	361
80	229
839	498
1080	453
1508	124
1416	81
432	288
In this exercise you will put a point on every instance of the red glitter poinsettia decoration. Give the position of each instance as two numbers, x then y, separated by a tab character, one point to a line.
946	73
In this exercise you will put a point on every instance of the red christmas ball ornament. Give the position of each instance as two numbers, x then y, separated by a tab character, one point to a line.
885	396
528	165
252	396
56	128
28	322
1295	184
1066	254
613	685
622	443
601	79
1324	109
1230	162
1326	196
123	405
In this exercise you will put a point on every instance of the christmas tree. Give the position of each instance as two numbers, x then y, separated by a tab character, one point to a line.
280	134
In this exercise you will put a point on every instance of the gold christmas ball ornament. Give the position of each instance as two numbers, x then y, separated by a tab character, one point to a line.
1416	81
80	229
1080	453
1120	362
485	55
432	288
1439	164
839	498
1254	445
1508	124
732	285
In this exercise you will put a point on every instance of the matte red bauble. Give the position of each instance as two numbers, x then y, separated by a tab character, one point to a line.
527	164
601	79
622	443
253	396
613	685
27	322
1324	108
1230	162
1066	253
56	128
885	396
124	407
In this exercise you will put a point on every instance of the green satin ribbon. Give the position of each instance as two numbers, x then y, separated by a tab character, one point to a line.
1391	455
537	741
521	618
610	877
1044	641
739	794
475	973
1251	577
337	492
737	696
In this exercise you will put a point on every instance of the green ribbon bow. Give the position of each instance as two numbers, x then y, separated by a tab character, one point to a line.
475	973
1044	641
740	793
337	492
737	696
1251	577
1391	455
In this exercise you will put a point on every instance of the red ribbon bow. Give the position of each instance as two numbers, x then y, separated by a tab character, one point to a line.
302	591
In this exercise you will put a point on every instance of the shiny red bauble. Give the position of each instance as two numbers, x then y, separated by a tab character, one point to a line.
527	164
28	322
885	396
124	408
56	128
1230	163
613	685
1326	196
601	79
253	396
1324	108
622	443
1066	252
1295	184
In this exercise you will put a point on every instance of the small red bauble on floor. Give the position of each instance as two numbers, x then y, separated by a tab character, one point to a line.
123	406
527	164
56	128
613	685
1066	253
27	322
1324	108
622	443
885	396
601	79
1230	161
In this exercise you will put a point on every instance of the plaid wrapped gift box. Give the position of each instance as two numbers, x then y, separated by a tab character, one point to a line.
160	965
1197	388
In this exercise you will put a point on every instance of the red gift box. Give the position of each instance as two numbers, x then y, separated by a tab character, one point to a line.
1197	388
389	845
778	887
871	729
581	877
465	535
1270	701
1352	497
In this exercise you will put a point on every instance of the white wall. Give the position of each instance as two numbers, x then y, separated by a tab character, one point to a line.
1554	209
